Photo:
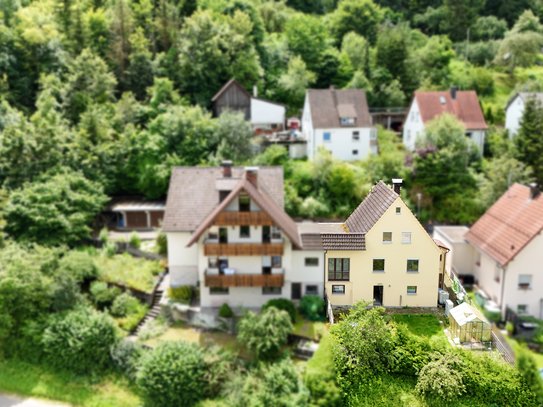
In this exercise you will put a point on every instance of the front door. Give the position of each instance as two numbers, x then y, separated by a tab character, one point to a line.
266	234
296	291
223	235
377	295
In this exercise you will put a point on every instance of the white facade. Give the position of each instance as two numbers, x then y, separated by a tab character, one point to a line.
513	115
462	253
182	260
266	114
413	129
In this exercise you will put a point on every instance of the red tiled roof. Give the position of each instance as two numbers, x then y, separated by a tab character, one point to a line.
509	225
466	107
441	244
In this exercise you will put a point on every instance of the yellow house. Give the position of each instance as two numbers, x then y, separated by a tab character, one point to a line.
381	253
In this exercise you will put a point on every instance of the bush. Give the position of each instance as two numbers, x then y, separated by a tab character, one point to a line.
66	292
173	375
313	308
182	293
162	243
225	311
102	295
124	304
80	265
441	378
80	340
282	304
510	328
220	366
265	334
126	357
135	239
110	249
527	367
153	328
104	235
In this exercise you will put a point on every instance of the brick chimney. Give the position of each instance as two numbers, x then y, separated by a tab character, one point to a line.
397	182
252	175
227	168
453	92
534	190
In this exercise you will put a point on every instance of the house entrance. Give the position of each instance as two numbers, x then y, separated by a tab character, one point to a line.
296	291
377	295
266	234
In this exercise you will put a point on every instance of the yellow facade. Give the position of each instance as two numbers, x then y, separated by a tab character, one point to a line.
394	281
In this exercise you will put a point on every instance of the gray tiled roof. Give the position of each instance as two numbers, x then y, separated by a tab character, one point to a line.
193	195
344	241
324	105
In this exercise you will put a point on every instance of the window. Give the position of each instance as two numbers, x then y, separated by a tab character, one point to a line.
406	237
378	265
468	135
218	290
276	261
412	266
387	237
271	290
338	269
411	290
408	135
522	309
213	262
412	116
223	195
311	261
244	231
355	152
524	281
373	134
244	203
213	235
398	210
338	289
326	136
311	290
356	135
276	232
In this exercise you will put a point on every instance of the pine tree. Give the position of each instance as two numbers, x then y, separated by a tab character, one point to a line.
529	141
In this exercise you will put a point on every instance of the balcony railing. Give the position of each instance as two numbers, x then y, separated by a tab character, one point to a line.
244	280
243	249
243	218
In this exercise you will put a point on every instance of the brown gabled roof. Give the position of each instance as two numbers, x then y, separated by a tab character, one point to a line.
194	193
324	105
509	225
231	82
310	235
466	107
336	236
371	209
264	202
441	245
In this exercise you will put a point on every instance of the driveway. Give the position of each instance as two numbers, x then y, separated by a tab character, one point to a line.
12	401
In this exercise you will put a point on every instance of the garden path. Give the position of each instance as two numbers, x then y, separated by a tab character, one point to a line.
12	401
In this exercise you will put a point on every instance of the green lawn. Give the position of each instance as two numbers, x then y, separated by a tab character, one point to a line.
425	325
38	381
309	329
130	271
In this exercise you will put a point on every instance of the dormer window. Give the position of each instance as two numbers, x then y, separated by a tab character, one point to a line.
347	120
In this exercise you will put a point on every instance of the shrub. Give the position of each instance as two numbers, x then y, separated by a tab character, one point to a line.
126	357
123	304
220	366
527	367
135	239
181	293
173	375
153	328
104	235
102	295
440	378
510	328
225	311
162	243
79	340
265	334
66	292
282	304
313	308
110	249
80	265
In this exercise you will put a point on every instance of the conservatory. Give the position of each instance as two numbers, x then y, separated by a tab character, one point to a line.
468	324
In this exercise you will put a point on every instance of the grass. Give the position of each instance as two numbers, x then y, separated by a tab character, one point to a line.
314	331
425	325
133	272
25	379
538	357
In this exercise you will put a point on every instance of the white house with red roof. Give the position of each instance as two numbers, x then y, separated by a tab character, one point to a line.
506	256
426	106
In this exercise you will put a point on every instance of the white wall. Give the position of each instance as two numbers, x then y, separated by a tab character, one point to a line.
513	115
485	274
413	127
308	275
182	260
478	137
298	150
341	142
233	206
266	113
307	129
462	254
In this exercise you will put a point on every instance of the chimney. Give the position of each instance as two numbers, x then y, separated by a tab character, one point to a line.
227	168
255	91
252	175
397	182
453	92
534	190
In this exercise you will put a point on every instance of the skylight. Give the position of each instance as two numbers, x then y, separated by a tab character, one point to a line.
442	99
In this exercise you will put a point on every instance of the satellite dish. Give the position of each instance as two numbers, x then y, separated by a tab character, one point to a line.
506	56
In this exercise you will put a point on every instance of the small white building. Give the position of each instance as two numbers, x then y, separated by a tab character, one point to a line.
426	106
228	232
515	110
339	121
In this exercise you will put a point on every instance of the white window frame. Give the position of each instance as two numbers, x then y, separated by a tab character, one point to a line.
416	290
410	236
398	212
329	137
391	237
378	271
525	311
373	134
522	278
412	272
338	285
356	137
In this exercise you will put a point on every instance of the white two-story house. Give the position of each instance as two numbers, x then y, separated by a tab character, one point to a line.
339	121
515	110
426	106
228	232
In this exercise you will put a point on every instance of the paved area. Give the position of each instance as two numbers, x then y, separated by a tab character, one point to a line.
12	401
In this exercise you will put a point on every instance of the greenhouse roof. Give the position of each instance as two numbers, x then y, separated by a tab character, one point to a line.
465	313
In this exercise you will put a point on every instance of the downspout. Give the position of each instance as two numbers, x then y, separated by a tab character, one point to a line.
502	298
324	277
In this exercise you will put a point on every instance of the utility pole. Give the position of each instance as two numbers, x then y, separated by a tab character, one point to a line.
467	47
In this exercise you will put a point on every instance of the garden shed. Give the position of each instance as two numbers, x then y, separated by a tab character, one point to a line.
469	324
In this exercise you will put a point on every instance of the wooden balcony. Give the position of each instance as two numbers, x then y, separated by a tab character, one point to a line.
243	218
243	249
244	280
